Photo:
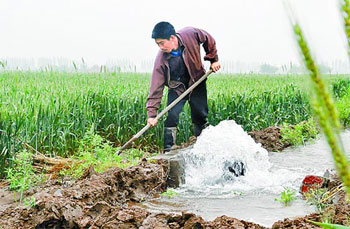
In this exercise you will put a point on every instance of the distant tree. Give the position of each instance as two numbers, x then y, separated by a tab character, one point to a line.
268	69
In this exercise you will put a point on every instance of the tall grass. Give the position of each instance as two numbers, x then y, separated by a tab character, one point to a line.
52	111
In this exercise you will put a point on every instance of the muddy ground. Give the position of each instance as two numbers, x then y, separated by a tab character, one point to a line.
108	200
270	138
105	201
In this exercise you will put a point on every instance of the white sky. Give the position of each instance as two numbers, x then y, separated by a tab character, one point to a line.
101	30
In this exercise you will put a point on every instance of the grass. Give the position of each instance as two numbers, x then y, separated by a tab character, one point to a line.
94	151
170	193
21	176
286	197
30	202
97	152
300	133
328	225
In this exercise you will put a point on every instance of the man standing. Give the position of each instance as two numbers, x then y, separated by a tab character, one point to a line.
178	65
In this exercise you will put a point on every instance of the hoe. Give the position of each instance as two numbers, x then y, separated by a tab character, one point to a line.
171	105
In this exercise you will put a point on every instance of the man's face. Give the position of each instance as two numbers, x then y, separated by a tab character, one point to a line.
166	45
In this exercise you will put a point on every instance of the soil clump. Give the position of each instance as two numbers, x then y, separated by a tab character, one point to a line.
104	201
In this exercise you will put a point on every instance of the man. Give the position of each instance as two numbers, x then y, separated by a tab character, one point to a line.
178	65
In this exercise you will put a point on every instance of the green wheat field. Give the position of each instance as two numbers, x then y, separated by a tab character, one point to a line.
52	111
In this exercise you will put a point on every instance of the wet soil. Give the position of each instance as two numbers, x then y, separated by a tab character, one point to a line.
105	201
109	200
270	138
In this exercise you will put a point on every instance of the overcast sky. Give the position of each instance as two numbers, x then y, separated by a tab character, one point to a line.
101	30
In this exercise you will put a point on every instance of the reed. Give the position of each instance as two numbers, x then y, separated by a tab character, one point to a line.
345	11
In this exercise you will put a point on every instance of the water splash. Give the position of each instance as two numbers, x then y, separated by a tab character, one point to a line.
206	164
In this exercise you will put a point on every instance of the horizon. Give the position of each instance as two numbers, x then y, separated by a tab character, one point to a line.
60	64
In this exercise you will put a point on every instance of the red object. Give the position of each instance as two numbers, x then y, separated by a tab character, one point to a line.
312	182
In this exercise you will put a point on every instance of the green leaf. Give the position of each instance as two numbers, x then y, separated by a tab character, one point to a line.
328	225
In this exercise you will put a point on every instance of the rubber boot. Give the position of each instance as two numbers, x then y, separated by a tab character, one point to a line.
197	129
169	138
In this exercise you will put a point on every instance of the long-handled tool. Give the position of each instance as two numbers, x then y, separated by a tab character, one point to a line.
171	105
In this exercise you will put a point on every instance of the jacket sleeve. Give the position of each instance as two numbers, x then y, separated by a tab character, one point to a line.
156	90
209	45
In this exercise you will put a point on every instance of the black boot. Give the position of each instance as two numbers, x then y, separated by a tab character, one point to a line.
169	138
197	129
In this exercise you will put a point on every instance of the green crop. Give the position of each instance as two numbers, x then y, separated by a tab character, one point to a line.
53	111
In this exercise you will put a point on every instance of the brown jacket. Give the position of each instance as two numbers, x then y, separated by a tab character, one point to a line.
190	39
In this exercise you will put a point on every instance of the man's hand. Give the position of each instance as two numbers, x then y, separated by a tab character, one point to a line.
152	122
215	66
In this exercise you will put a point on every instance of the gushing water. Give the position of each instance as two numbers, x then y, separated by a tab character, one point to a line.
220	146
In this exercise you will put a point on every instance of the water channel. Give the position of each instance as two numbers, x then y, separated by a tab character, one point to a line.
211	190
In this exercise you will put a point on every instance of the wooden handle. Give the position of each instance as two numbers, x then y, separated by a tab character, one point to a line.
171	105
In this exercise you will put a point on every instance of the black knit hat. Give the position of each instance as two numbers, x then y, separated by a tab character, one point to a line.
163	30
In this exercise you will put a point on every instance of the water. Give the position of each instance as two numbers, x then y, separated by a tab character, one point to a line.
211	190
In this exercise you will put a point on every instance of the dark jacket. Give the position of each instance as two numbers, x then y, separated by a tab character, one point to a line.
190	39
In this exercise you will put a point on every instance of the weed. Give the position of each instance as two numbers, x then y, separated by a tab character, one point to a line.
287	196
300	133
315	197
170	193
29	203
328	225
97	152
327	216
21	177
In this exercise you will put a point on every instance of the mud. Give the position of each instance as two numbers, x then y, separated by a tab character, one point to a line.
105	201
270	138
90	201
